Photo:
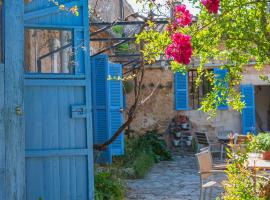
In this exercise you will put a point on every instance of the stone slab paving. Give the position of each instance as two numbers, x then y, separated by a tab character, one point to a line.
170	180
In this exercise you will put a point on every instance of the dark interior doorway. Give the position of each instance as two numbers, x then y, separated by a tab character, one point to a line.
262	102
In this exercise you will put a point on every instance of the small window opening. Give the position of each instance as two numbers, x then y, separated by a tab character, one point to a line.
48	51
196	94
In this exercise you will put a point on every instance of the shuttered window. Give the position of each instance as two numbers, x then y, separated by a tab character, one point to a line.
107	105
181	91
116	106
99	66
220	75
248	113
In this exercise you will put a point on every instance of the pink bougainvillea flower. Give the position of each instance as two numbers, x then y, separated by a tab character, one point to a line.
211	5
180	49
182	15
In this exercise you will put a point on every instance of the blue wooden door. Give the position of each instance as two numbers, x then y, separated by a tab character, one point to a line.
58	146
248	112
116	106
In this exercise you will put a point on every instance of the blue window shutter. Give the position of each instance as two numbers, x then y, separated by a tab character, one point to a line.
116	107
124	102
99	67
220	75
181	91
248	113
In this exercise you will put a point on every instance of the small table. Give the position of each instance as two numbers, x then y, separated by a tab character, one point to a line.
255	160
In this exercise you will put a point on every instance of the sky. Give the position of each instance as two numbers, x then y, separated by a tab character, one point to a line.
137	7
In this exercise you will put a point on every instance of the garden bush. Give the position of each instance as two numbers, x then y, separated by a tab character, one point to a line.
108	187
242	182
142	152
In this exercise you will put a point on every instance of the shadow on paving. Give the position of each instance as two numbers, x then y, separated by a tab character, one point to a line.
169	180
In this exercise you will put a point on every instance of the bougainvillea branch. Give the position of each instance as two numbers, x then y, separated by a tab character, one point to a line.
211	5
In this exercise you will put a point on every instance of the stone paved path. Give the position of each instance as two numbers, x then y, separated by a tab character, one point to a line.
170	180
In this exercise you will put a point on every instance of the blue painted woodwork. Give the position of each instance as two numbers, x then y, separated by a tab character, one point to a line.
181	91
107	106
124	101
116	107
248	113
58	119
100	89
220	75
12	165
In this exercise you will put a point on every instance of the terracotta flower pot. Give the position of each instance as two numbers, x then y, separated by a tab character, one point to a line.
266	155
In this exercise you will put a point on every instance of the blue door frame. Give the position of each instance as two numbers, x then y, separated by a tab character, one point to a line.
59	140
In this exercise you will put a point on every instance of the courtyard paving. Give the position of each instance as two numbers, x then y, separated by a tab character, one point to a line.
170	180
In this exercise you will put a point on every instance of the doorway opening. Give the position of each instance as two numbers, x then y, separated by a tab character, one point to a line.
262	107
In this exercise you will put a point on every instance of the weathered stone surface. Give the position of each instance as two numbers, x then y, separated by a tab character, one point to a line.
170	180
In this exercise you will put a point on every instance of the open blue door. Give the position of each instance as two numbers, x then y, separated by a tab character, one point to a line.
116	106
100	66
248	113
58	146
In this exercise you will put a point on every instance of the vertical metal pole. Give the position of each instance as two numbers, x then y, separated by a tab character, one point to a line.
64	53
121	4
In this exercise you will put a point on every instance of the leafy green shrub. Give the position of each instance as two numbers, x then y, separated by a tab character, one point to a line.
157	146
142	152
242	182
261	142
108	187
142	164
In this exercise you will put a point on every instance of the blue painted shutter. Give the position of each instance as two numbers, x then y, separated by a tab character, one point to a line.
248	113
115	107
181	91
220	74
124	102
100	100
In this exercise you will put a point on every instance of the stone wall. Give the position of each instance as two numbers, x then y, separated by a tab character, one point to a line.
106	11
159	110
109	10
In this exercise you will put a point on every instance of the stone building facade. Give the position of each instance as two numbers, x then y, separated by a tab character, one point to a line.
159	110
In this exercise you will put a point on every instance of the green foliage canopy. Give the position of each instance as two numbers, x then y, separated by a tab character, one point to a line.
237	36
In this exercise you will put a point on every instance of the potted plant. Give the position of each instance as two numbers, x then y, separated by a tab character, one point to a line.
261	143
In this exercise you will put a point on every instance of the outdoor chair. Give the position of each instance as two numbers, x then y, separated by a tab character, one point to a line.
216	166
207	178
202	140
